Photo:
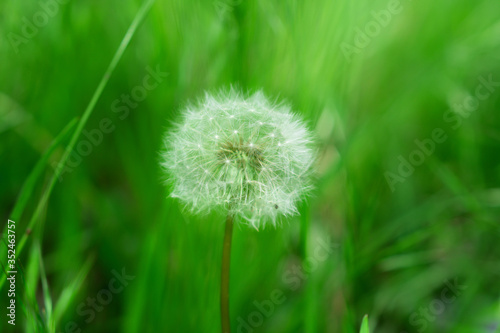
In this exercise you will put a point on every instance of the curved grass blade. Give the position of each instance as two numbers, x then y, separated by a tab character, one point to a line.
86	114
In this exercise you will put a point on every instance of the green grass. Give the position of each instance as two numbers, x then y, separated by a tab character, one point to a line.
395	252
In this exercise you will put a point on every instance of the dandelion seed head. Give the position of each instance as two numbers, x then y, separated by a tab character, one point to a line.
248	172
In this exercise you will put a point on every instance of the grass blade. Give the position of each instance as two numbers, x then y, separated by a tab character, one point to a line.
69	293
47	299
364	325
86	114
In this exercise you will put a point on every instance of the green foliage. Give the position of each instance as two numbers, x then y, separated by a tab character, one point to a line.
403	224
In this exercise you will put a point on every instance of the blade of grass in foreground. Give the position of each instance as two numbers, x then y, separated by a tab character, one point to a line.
364	325
88	111
31	279
49	319
28	302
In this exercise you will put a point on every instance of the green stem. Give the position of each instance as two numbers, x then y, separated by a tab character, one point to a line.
224	282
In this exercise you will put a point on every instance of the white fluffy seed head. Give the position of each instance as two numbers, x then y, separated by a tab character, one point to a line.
243	155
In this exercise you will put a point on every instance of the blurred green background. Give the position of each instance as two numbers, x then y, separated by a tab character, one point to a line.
403	96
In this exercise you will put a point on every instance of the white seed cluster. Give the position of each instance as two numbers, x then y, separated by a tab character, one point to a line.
246	156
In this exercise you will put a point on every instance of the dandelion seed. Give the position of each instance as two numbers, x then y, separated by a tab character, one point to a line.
261	179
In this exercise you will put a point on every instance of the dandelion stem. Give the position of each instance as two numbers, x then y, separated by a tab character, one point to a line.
224	283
